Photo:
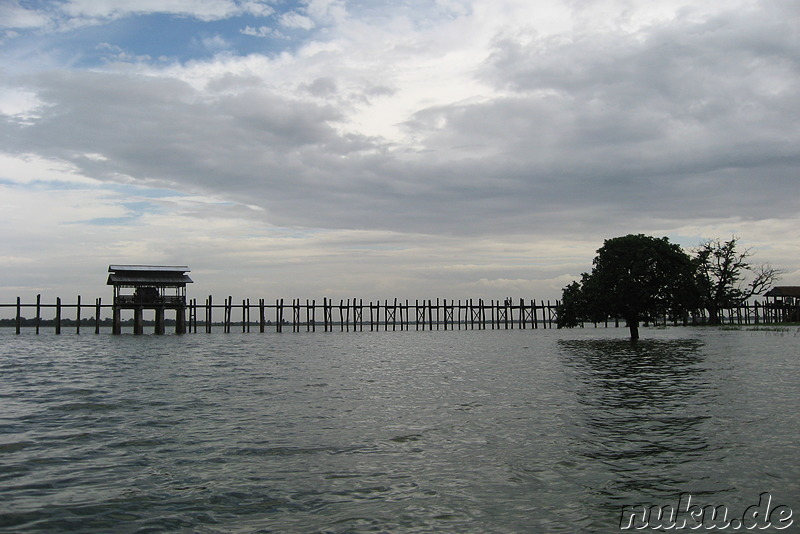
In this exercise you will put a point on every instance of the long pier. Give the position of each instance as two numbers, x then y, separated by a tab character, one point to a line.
297	315
352	315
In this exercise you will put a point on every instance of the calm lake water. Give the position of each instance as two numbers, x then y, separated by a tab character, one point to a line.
466	431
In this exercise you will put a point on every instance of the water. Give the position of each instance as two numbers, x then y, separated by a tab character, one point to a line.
470	431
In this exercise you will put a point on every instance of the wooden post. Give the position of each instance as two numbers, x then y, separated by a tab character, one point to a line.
430	315
18	321
58	315
38	312
230	313
358	314
209	314
116	313
226	315
402	315
97	310
471	311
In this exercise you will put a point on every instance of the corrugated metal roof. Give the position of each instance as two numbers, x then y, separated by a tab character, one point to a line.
150	268
166	279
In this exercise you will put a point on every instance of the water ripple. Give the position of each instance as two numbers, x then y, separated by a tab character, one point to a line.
472	431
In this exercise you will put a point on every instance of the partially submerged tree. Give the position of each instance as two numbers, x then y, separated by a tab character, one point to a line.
633	277
722	274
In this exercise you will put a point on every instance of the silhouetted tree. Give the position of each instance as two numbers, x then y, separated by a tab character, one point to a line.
633	277
721	276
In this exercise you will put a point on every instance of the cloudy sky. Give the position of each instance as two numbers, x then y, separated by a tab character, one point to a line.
385	148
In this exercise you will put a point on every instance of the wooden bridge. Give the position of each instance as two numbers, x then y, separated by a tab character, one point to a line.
349	315
309	315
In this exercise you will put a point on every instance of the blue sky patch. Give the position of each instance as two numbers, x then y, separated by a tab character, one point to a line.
154	37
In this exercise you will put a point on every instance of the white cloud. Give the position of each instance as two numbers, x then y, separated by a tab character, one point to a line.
19	104
261	31
295	20
30	168
326	11
12	15
215	43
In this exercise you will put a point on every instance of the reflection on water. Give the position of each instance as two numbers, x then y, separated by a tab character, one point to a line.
639	407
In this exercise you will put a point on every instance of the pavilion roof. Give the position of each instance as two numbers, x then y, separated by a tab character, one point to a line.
148	275
783	291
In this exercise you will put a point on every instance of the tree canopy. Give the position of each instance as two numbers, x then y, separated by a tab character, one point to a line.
633	277
721	273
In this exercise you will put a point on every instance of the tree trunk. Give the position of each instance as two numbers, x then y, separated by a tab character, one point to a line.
633	324
713	315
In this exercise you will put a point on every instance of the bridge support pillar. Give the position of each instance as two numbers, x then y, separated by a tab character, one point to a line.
138	320
159	320
180	320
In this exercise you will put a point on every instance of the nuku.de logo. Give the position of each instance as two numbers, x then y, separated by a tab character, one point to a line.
686	515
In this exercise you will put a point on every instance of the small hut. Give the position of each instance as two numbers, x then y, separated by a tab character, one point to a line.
153	287
784	303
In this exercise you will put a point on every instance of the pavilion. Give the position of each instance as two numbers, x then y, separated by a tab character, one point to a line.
151	287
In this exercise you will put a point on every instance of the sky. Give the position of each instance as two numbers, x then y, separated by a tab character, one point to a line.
380	149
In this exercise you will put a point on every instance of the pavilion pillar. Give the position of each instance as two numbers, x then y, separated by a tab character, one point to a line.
180	320
159	320
116	329
138	321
